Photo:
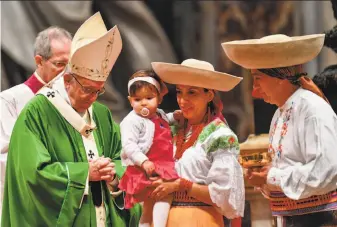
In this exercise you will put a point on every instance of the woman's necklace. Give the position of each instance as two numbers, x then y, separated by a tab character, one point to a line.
181	144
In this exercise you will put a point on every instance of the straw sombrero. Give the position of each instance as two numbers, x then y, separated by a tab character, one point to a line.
195	73
274	51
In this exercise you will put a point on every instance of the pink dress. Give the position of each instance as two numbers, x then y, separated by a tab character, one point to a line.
135	180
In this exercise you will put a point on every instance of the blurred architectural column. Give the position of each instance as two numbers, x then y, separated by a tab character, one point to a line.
187	19
209	42
309	13
315	17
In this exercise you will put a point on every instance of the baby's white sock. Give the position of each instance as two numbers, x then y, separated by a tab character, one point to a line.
160	213
144	225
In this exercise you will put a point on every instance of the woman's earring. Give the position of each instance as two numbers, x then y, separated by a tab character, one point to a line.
208	112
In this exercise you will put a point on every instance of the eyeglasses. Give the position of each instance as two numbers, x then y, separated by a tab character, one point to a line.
58	64
89	90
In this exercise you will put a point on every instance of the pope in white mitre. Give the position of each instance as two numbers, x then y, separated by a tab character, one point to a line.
63	162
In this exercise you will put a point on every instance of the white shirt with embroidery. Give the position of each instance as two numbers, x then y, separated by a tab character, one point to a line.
213	162
303	141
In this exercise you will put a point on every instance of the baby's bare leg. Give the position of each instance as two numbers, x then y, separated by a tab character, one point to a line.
161	211
146	218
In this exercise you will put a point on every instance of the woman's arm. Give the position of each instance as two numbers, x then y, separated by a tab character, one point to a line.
197	191
201	193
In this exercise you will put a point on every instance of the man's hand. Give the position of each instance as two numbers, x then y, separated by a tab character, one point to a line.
258	179
148	167
108	172
100	169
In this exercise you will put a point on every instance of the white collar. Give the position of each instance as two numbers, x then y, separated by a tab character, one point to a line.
58	86
39	78
68	112
290	100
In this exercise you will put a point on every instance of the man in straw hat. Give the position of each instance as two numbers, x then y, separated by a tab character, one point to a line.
301	182
63	162
205	148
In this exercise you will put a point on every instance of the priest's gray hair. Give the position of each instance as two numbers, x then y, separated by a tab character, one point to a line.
43	40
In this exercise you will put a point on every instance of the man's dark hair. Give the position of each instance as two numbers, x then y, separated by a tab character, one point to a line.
327	82
331	38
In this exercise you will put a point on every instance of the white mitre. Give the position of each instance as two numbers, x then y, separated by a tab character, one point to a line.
94	50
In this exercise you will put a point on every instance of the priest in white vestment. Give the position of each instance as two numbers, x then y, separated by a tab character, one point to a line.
51	50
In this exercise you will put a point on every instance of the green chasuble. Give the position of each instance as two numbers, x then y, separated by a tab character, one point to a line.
47	169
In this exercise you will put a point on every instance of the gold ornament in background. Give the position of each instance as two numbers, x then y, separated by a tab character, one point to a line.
254	152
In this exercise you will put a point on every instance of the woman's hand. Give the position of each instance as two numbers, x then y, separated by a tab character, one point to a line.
163	189
258	179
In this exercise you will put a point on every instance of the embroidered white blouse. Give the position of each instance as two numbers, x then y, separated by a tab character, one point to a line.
213	161
303	139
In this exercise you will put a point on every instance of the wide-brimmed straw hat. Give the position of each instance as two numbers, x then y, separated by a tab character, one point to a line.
274	51
195	73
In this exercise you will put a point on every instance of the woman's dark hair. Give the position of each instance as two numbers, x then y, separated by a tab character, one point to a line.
141	84
211	104
290	73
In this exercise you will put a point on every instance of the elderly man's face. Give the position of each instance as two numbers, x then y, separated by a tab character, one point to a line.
82	92
50	68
